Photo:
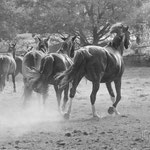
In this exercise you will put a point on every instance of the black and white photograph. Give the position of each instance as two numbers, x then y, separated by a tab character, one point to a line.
74	74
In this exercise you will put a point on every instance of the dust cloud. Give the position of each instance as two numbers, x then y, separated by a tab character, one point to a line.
17	120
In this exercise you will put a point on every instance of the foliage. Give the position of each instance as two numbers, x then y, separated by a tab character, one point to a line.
89	19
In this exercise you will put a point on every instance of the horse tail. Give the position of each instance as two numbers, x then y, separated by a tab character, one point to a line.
47	63
79	63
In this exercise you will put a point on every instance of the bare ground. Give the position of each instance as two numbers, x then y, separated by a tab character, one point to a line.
37	128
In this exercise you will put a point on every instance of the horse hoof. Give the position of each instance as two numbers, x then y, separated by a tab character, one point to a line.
63	108
111	110
66	116
96	117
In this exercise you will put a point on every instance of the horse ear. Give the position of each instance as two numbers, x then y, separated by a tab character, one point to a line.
74	37
47	38
39	39
127	28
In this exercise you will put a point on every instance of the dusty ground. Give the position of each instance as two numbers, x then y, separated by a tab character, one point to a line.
36	129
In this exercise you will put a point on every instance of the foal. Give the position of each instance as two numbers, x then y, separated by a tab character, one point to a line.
18	59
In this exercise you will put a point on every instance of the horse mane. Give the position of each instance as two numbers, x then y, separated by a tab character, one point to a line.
115	43
119	28
115	28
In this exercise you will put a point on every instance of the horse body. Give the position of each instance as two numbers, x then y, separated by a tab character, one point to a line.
8	66
32	59
52	64
18	60
60	63
110	61
99	65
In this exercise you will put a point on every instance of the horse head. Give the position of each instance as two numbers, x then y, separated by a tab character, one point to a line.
43	44
126	32
11	48
68	46
121	38
116	28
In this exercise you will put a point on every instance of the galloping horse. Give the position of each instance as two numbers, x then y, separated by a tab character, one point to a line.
32	59
98	65
51	65
8	67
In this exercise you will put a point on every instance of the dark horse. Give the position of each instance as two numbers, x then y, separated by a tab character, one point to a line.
32	59
99	65
52	64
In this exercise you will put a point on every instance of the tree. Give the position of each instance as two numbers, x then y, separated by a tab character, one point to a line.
7	25
89	19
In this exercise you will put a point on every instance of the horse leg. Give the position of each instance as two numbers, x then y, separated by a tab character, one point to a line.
45	95
111	92
72	94
7	77
13	80
58	95
3	78
95	88
65	97
118	97
27	92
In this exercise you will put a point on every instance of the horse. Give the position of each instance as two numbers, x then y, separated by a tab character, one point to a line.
32	59
52	64
98	65
8	67
18	59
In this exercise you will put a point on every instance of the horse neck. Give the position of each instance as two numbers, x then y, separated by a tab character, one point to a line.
63	53
42	50
121	47
14	53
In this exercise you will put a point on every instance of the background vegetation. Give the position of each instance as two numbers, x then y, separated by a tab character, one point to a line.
89	19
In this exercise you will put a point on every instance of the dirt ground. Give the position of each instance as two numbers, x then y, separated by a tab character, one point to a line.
37	128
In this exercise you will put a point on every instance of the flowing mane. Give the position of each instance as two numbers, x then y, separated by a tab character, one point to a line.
116	28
